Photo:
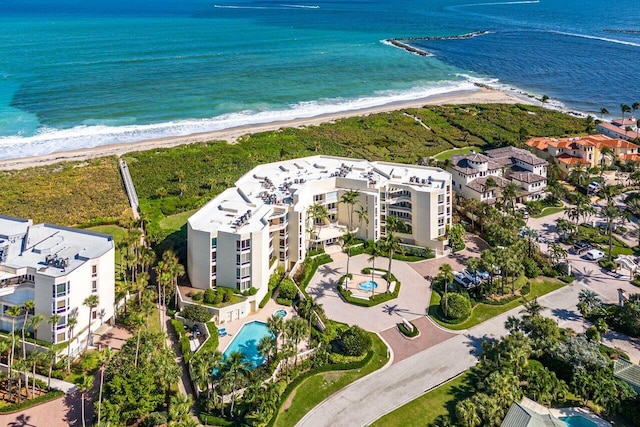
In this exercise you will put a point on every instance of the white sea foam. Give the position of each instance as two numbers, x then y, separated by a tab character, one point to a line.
301	6
604	39
49	140
278	7
500	3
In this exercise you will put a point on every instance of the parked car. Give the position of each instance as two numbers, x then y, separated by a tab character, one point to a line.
593	187
475	278
196	330
581	247
595	254
462	280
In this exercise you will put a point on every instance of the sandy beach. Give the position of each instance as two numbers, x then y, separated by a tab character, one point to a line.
482	95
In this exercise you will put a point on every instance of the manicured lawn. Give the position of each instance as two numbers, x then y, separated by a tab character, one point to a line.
482	312
175	222
549	211
154	321
466	150
425	409
320	386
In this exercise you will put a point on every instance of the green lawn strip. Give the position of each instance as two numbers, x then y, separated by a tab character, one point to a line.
318	387
481	312
426	408
447	154
176	221
549	211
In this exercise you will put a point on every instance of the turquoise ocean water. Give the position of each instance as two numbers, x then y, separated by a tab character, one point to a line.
77	74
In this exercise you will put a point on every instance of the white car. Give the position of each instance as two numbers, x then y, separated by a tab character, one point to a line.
595	254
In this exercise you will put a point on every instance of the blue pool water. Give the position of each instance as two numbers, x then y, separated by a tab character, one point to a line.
280	313
368	285
577	421
246	341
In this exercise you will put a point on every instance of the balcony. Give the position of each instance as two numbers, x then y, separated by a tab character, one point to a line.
328	232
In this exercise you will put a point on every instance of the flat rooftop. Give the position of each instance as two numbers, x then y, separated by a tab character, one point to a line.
51	249
260	191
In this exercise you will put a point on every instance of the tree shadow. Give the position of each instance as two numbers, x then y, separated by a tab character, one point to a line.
21	421
72	402
393	309
321	289
564	314
475	343
326	271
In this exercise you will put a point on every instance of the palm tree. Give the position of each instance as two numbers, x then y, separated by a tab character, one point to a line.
50	360
21	366
347	240
603	111
532	309
34	359
473	265
467	414
104	358
531	235
363	215
72	322
266	347
611	212
13	312
34	323
28	306
556	252
374	251
174	269
84	384
510	193
390	245
180	410
318	214
635	106
275	325
578	175
350	198
445	272
238	367
632	204
624	108
92	302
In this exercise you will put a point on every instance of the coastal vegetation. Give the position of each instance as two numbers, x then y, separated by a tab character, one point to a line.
71	193
175	180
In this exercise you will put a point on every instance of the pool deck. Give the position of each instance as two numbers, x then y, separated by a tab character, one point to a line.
262	315
579	412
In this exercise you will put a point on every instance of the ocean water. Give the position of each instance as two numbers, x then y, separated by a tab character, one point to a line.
77	74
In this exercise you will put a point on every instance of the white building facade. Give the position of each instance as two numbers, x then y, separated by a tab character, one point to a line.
58	268
239	238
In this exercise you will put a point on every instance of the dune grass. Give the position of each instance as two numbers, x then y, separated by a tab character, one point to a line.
456	151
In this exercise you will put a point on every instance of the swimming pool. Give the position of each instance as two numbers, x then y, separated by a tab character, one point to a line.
281	312
578	421
246	341
368	285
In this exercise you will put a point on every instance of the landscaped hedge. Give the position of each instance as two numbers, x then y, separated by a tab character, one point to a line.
375	300
406	332
185	347
212	420
567	279
274	282
309	267
15	407
284	301
211	344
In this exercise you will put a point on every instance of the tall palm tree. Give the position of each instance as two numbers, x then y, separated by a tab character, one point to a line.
238	368
390	245
180	410
467	414
28	306
317	214
275	325
72	322
632	204
13	312
85	383
347	240
445	272
374	251
635	106
35	358
104	358
363	215
267	346
624	108
603	111
174	269
92	302
611	213
350	198
556	252
34	322
50	360
510	193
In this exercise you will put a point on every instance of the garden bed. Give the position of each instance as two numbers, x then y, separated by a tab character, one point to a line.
364	301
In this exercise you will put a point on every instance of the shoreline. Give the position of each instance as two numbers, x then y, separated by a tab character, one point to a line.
481	95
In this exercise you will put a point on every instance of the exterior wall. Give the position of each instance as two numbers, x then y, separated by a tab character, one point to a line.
199	257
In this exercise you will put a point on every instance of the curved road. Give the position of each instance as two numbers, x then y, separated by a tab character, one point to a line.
366	400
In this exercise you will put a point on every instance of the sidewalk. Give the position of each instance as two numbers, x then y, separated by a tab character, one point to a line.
61	385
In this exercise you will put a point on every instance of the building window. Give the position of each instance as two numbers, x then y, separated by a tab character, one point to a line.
61	289
94	271
243	244
243	258
243	272
440	198
61	337
60	306
214	243
94	314
94	286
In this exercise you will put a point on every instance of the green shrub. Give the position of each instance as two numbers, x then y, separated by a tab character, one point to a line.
406	332
567	279
593	334
219	296
287	290
196	313
209	296
266	298
457	306
196	296
355	341
228	295
531	269
250	291
606	264
284	301
155	419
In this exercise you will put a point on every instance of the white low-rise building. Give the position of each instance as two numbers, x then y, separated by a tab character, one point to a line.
58	268
239	238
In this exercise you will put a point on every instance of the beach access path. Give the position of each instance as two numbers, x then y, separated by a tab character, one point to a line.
482	95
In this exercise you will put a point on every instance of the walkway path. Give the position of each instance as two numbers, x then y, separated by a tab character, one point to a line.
130	188
410	378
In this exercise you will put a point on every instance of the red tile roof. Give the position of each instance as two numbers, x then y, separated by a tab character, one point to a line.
570	160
